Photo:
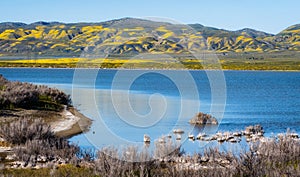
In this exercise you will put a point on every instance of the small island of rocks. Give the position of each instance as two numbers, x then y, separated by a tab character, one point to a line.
203	119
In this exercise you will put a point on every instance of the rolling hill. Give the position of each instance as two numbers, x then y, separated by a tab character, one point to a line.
132	36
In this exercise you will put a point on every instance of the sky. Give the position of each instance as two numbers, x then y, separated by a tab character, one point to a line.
266	15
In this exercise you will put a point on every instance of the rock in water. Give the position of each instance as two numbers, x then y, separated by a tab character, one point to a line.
202	119
256	129
147	138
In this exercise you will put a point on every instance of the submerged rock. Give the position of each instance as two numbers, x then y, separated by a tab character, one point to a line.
202	119
180	131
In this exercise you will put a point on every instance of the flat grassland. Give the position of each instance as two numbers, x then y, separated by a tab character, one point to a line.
280	62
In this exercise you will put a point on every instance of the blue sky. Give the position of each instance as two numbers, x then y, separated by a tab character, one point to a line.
267	15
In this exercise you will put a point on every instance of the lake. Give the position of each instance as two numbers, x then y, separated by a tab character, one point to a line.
126	104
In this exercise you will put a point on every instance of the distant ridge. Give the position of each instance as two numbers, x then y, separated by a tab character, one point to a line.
71	39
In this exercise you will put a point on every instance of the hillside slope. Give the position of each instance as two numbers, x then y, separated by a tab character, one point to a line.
130	35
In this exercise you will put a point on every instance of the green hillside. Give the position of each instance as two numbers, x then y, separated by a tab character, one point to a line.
132	36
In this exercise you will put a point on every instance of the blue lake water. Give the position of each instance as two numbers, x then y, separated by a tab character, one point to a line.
127	104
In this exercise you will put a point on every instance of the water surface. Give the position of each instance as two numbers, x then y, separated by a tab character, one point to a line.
271	99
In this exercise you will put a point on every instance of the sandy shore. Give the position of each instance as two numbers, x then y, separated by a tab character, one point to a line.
71	123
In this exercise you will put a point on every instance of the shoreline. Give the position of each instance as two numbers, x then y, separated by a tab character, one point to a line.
153	69
73	123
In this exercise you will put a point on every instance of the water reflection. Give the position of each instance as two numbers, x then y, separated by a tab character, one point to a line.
111	127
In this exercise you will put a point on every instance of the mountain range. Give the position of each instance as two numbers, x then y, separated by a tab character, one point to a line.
131	36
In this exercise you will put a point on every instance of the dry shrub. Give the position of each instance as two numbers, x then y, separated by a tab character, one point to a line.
33	138
129	162
23	130
30	96
276	157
